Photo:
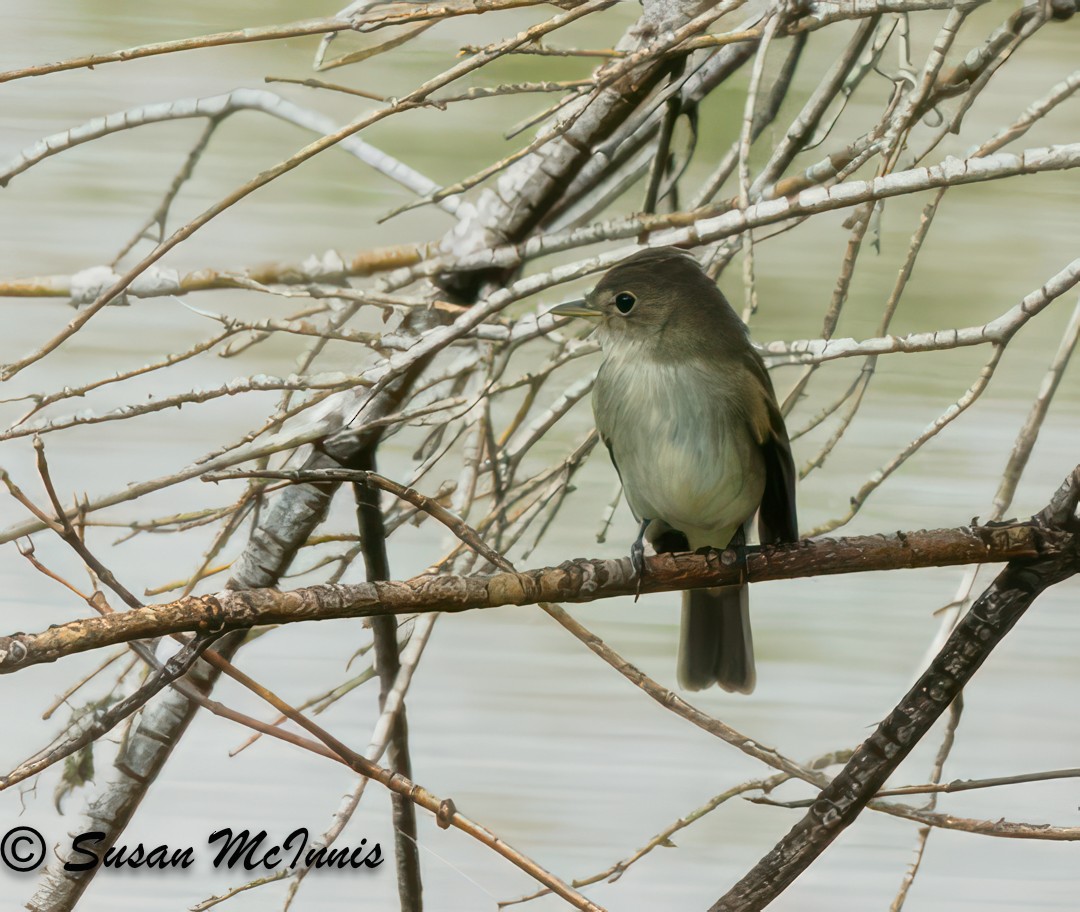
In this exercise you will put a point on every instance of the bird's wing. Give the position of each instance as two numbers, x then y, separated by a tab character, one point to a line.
611	453
777	517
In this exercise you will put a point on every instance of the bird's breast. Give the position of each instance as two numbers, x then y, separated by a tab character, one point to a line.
682	444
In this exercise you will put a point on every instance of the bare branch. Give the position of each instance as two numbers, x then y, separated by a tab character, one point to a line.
574	581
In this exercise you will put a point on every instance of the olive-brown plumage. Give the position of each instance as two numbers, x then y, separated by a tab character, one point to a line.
688	413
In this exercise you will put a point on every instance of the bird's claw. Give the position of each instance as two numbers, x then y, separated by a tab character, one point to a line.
637	557
735	554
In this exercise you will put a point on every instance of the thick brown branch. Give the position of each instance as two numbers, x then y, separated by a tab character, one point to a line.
581	580
984	626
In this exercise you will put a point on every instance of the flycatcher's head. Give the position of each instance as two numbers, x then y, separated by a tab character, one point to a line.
656	294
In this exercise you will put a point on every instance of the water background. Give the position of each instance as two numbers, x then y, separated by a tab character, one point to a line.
517	722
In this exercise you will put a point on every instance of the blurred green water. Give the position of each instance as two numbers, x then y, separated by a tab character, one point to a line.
519	724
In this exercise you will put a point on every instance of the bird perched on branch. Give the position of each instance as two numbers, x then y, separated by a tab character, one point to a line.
689	416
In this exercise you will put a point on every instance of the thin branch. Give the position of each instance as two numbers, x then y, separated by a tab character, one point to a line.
219	39
985	625
965	785
296	29
411	100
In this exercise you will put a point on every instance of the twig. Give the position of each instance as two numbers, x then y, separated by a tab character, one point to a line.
964	785
985	625
961	405
106	719
219	39
663	838
411	100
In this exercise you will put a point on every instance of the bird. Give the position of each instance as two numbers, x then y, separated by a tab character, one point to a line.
685	406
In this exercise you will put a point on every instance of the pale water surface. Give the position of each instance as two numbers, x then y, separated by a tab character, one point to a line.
519	723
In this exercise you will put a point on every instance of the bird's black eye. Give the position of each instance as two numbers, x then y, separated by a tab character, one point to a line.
625	301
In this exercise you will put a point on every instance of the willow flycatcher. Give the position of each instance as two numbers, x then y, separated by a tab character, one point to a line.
688	413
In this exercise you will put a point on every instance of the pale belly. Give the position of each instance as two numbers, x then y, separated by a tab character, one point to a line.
686	457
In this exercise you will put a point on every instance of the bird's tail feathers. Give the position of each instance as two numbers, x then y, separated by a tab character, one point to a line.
716	645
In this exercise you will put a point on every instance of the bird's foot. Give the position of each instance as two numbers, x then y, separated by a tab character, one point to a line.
734	555
637	557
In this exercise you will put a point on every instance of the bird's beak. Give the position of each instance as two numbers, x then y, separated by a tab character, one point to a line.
580	308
